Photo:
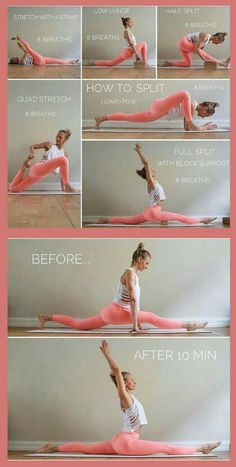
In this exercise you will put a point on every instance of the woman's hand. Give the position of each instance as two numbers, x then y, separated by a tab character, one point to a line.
104	347
138	330
209	126
138	147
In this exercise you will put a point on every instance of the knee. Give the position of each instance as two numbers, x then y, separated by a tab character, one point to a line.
185	95
63	160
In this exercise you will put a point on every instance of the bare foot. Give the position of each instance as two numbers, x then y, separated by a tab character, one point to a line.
13	38
166	63
74	62
43	319
27	162
68	189
101	220
48	448
206	448
226	62
194	326
99	120
207	220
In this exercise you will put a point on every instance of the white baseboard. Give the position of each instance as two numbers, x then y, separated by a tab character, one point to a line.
33	322
158	124
34	445
53	186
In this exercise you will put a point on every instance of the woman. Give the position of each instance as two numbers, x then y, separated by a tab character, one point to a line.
31	57
157	195
176	106
131	48
55	160
194	43
125	306
128	441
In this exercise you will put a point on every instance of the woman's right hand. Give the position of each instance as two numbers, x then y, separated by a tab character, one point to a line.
137	330
138	147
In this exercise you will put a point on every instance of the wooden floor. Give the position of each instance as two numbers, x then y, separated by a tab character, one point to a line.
118	73
22	332
44	72
43	211
188	73
159	135
13	455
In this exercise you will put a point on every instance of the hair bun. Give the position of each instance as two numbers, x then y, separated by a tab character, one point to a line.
140	246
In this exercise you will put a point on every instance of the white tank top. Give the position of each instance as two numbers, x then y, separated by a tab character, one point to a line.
133	417
52	153
194	38
156	195
177	112
28	60
122	295
133	40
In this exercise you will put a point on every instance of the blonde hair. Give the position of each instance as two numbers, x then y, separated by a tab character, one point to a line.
124	374
67	133
140	252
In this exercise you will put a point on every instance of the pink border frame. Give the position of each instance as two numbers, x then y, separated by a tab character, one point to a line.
6	233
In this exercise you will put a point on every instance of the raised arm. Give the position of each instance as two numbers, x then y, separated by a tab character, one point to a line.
201	44
125	398
45	145
147	165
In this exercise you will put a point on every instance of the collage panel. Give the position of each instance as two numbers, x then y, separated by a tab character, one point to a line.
199	43
179	389
157	109
44	154
110	48
110	286
44	42
164	184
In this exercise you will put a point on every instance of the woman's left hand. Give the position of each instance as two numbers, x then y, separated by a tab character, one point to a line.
104	347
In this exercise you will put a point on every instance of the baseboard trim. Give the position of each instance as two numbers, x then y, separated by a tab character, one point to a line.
33	322
34	445
157	124
54	186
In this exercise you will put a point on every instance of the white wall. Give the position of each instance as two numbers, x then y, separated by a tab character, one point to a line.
103	30
51	31
187	278
60	390
104	97
115	188
37	110
176	21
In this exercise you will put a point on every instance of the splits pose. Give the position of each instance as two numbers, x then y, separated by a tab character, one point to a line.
173	107
54	160
194	43
31	57
125	306
128	441
131	48
156	193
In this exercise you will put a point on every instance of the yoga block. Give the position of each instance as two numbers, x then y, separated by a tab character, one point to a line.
210	66
139	65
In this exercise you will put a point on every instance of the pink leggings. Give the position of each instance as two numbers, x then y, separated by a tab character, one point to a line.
158	109
39	171
128	444
39	59
154	214
125	55
186	49
115	314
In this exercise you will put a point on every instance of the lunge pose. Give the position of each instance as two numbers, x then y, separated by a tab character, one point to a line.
194	43
128	441
156	194
124	308
31	57
131	48
175	106
54	160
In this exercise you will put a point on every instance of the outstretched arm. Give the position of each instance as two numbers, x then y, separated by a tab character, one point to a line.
125	398
147	165
201	44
